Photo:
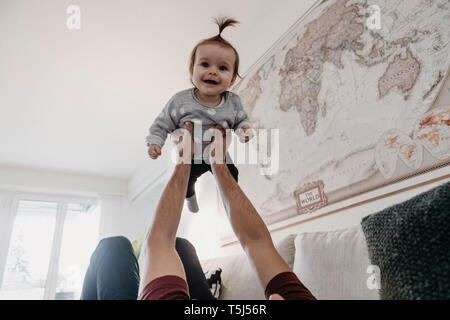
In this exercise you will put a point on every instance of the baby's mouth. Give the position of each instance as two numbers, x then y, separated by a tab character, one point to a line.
211	81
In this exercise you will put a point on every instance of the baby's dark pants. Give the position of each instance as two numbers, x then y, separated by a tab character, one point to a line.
198	169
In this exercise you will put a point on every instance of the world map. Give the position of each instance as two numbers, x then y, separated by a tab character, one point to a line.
348	99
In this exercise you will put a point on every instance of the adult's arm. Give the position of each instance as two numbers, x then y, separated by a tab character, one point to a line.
162	258
248	226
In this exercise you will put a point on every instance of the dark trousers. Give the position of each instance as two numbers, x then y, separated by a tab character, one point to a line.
198	169
113	272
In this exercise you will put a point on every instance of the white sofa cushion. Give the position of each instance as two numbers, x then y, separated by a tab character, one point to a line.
239	281
333	265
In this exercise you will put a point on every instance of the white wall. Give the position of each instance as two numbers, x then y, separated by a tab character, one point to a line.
275	20
141	211
34	180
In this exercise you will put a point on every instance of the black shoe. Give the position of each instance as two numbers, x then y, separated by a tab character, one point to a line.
215	283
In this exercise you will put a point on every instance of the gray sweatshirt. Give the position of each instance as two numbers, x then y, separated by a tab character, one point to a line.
184	106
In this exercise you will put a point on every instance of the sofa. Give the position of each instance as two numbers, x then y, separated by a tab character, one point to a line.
332	265
401	252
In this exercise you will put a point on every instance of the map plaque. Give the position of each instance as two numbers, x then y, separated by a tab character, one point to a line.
310	197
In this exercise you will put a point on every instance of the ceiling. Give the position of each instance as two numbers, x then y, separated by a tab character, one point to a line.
81	101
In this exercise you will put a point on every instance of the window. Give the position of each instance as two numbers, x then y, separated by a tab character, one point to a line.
29	251
49	249
80	237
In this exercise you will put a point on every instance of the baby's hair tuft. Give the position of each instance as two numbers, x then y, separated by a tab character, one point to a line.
224	22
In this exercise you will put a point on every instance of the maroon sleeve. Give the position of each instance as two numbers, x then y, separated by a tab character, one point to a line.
287	285
165	288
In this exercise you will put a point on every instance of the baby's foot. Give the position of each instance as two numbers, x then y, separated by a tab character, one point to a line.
192	203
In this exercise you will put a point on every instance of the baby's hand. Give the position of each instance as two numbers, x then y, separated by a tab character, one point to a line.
245	133
154	151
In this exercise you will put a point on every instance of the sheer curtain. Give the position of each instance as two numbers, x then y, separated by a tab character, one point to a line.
6	219
113	209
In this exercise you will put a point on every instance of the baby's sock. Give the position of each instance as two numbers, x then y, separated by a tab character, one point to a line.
192	203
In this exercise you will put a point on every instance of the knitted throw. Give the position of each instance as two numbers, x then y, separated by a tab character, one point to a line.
410	243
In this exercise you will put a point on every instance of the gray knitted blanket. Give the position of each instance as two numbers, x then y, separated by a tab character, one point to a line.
410	243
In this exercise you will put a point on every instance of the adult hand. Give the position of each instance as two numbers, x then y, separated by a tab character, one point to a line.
245	133
275	296
184	143
220	142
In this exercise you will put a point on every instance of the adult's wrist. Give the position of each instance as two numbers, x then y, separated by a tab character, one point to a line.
219	167
182	166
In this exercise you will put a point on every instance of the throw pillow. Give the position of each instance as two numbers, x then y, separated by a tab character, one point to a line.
334	264
410	243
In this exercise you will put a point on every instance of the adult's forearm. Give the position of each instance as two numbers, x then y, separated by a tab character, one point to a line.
249	228
170	206
245	220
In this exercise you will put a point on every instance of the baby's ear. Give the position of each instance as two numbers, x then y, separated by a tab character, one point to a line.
191	70
233	79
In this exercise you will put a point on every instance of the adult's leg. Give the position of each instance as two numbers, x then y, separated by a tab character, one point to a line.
113	272
198	286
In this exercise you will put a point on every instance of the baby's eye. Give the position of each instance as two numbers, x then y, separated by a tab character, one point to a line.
204	64
223	68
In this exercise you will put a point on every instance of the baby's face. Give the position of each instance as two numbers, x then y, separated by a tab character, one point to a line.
213	69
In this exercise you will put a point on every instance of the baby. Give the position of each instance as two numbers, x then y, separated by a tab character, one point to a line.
213	69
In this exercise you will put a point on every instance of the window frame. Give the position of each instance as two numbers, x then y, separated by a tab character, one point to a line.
62	201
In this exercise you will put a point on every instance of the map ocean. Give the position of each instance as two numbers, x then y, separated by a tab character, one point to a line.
349	101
